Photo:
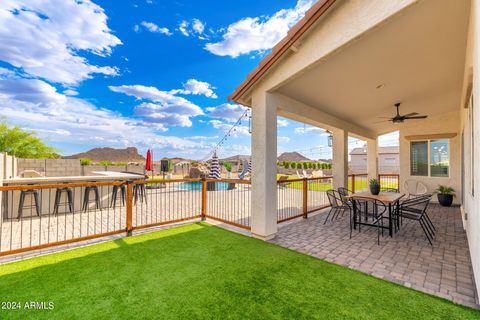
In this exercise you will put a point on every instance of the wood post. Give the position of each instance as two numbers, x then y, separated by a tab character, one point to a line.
204	199
129	208
305	198
353	183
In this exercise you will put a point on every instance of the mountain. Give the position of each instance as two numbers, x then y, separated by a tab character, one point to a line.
129	154
292	156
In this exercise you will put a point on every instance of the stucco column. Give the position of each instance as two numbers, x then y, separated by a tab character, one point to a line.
340	158
372	158
264	167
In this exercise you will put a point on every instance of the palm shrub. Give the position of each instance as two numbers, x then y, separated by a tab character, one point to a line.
445	190
228	166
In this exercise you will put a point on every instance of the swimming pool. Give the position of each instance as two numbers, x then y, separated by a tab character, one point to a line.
197	185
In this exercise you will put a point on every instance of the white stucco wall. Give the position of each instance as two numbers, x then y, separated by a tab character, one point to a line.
445	123
471	205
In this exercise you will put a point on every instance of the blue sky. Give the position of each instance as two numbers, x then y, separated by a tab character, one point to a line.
145	73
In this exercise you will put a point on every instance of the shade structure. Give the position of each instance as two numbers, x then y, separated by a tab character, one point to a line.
214	168
148	162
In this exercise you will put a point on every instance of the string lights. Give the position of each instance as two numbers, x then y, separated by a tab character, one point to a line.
230	132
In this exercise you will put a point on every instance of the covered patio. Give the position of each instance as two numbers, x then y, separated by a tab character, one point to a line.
444	269
343	68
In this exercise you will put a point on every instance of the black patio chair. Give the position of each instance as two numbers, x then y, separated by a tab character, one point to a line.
374	212
416	209
336	204
344	193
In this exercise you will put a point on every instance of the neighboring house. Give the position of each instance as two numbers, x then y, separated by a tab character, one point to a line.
388	160
236	161
345	65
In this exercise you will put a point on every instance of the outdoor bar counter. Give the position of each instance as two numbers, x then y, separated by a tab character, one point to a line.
11	199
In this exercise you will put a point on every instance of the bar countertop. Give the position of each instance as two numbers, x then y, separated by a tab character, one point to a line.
98	176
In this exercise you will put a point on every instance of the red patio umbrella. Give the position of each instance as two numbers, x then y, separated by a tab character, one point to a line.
148	163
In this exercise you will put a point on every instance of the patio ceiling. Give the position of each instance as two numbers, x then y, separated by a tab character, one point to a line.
416	57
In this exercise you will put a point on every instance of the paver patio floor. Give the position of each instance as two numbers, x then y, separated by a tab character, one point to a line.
443	269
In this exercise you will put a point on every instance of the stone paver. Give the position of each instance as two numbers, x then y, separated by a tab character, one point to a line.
443	269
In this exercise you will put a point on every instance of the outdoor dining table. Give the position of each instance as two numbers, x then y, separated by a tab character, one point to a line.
392	199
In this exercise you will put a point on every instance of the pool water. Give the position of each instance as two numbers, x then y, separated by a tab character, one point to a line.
197	185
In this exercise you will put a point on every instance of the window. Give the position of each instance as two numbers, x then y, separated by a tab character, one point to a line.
430	158
419	158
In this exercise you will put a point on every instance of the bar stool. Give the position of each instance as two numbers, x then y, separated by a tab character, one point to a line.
115	195
58	196
86	197
21	206
139	190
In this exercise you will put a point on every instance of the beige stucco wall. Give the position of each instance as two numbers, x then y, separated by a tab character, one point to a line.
445	123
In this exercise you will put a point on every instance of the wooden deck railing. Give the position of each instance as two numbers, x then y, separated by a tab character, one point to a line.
125	206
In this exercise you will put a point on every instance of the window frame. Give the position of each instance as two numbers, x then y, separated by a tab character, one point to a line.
429	163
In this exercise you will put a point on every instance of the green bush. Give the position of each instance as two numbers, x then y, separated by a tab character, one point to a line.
23	144
123	164
105	163
228	166
305	165
85	161
299	165
286	165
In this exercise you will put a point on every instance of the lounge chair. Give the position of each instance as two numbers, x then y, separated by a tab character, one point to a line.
282	181
244	172
414	188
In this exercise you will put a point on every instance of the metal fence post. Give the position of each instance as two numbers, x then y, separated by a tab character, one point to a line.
129	208
204	199
305	198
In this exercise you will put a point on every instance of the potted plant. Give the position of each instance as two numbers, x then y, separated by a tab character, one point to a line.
374	186
228	167
445	195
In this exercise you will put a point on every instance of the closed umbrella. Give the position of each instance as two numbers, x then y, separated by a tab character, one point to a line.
214	168
148	163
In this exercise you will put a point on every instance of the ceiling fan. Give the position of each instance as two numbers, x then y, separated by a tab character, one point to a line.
401	118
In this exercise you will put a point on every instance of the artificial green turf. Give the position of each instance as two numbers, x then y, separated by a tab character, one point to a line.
202	272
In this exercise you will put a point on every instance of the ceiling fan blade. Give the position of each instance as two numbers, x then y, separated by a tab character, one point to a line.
416	117
410	114
382	121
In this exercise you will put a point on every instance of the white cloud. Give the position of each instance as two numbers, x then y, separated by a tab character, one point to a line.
226	111
283	139
80	125
70	92
238	131
259	33
194	27
308	129
183	28
198	26
152	27
282	123
166	109
34	91
196	87
45	38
